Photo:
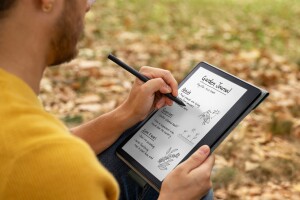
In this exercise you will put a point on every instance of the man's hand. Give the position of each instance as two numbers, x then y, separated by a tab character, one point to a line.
191	179
145	97
100	133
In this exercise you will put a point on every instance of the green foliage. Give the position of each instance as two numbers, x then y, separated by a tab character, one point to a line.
295	110
285	170
225	176
245	24
280	126
72	120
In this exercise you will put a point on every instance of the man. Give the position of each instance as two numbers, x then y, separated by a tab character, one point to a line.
39	158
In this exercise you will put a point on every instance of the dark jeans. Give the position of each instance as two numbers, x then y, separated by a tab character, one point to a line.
130	190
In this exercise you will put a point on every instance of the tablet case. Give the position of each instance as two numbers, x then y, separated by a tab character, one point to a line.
142	180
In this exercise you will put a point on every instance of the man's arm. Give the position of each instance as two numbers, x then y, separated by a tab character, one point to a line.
101	132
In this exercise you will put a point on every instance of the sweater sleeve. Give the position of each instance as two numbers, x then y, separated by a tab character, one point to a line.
62	169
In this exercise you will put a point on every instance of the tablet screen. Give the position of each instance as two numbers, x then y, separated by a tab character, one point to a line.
173	131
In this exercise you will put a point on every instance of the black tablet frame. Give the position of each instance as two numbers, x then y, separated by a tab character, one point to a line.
214	136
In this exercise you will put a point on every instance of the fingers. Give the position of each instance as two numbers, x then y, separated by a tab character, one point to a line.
191	179
196	159
202	174
169	102
164	74
161	82
158	84
206	166
154	85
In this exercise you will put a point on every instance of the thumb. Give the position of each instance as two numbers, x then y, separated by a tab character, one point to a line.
197	158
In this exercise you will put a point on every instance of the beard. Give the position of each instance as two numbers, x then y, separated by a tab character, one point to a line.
69	30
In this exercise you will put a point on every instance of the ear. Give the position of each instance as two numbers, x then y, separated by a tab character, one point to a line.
47	5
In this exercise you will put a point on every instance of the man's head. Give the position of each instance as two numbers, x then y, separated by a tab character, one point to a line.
59	23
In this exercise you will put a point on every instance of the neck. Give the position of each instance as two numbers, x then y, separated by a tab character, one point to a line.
22	54
22	68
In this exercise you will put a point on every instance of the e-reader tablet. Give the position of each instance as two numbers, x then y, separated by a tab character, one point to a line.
216	102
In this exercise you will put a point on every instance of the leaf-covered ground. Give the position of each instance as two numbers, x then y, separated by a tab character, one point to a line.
255	40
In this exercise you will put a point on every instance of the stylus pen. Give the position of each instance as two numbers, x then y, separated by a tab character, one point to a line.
140	76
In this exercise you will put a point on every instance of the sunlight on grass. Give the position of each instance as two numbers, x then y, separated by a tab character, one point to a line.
248	24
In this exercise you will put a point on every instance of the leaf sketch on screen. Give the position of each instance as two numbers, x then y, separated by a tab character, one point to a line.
165	161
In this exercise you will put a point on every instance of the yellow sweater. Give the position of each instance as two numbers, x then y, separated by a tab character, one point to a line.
39	158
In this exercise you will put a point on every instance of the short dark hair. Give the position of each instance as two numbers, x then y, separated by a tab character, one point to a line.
5	5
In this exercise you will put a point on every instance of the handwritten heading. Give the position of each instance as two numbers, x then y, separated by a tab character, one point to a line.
218	86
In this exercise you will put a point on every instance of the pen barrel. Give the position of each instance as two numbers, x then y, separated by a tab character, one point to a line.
140	76
128	68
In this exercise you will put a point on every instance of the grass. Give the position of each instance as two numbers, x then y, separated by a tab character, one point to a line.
247	24
225	176
71	121
285	170
281	127
295	109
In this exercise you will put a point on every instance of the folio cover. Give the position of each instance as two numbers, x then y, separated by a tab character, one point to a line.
216	102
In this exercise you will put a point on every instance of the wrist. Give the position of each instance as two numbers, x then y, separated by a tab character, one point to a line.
126	115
